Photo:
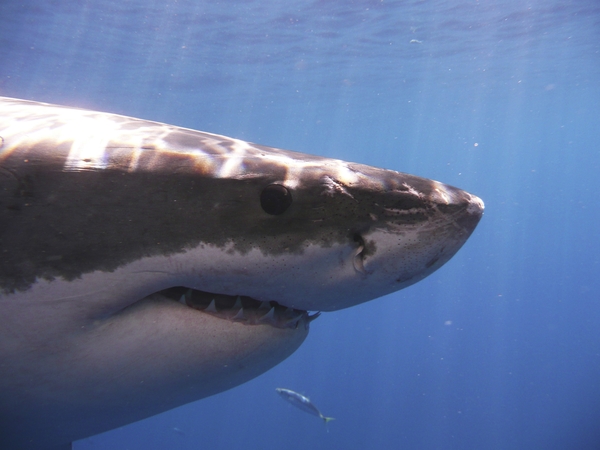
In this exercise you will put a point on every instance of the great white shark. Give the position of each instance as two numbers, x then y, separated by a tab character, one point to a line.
144	266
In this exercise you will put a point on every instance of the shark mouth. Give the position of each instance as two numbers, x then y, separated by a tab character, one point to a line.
242	309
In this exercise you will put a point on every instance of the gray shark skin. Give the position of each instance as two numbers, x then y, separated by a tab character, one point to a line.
144	266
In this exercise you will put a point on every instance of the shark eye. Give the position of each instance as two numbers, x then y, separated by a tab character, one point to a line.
275	199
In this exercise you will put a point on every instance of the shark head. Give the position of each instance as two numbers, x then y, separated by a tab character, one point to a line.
338	234
311	233
156	265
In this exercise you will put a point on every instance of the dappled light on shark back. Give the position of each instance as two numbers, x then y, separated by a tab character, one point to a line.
180	263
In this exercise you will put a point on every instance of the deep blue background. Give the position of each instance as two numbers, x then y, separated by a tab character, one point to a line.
500	349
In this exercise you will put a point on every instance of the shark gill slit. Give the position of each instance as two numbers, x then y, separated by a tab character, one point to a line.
240	308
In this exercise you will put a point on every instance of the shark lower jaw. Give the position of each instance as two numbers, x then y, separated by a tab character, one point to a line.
86	376
241	309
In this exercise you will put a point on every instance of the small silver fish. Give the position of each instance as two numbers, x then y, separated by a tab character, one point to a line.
302	402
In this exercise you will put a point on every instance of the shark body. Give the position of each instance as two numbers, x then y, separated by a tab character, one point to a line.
144	265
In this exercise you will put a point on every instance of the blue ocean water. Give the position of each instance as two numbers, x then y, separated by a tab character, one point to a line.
499	349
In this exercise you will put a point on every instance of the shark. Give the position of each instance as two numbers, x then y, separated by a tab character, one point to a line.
144	266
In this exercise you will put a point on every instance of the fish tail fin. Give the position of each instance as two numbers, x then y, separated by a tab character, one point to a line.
327	419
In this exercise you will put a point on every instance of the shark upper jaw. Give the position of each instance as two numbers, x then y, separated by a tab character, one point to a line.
78	367
272	289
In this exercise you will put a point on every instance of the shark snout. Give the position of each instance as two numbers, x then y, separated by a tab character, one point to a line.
464	208
470	210
420	235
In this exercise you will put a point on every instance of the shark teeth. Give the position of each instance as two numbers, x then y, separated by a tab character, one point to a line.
268	317
241	309
238	303
239	317
212	307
